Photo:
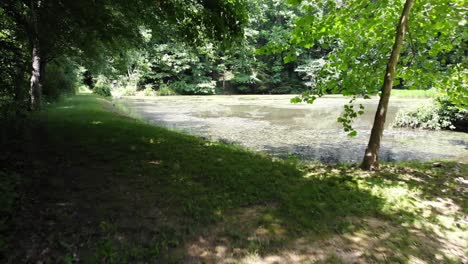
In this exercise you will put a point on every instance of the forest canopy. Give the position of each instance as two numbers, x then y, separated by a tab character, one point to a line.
229	47
93	34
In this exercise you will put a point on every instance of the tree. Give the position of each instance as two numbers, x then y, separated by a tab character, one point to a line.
87	28
164	61
371	156
358	38
13	66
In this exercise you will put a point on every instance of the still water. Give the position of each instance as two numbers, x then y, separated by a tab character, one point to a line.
270	123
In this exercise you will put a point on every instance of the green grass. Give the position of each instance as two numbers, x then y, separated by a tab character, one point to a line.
415	93
100	187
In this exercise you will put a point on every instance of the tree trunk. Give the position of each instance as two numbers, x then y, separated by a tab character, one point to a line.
35	91
371	157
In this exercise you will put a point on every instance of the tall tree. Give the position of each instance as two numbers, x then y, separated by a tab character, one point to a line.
371	156
359	42
83	28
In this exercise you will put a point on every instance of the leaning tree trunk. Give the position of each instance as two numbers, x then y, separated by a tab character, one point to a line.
371	157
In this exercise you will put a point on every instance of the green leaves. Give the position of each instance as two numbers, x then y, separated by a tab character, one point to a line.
359	35
290	56
348	117
296	100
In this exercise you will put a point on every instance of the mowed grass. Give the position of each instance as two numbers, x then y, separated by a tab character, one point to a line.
95	186
415	93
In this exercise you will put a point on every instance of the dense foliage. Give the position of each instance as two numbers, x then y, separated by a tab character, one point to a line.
13	68
303	47
96	35
442	113
359	35
165	64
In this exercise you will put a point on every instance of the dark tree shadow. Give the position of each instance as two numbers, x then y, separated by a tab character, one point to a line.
105	189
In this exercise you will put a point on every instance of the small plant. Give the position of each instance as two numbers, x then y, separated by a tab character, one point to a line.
129	91
165	90
148	91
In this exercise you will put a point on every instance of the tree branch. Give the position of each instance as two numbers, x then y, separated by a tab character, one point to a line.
413	47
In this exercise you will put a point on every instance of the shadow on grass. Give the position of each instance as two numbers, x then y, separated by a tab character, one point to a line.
102	188
446	181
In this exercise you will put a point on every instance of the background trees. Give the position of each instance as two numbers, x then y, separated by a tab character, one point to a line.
88	30
280	48
244	66
207	47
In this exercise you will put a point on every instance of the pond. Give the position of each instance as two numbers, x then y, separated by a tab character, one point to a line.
270	123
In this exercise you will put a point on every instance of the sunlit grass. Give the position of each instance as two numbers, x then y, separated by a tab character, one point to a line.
153	195
415	93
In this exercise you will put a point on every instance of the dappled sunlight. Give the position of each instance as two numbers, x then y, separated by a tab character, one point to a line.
412	229
164	131
376	241
443	206
137	192
241	232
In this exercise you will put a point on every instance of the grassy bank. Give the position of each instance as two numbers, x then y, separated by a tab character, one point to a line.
414	93
94	186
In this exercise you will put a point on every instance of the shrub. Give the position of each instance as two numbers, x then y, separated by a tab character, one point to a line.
282	90
182	87
440	114
129	91
103	90
244	83
61	78
165	91
148	91
208	87
102	87
204	87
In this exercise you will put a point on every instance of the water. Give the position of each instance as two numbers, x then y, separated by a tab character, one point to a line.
270	123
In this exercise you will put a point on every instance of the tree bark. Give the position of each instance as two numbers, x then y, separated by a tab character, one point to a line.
371	156
35	91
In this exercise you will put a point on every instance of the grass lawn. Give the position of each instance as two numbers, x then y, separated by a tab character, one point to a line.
414	93
82	183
